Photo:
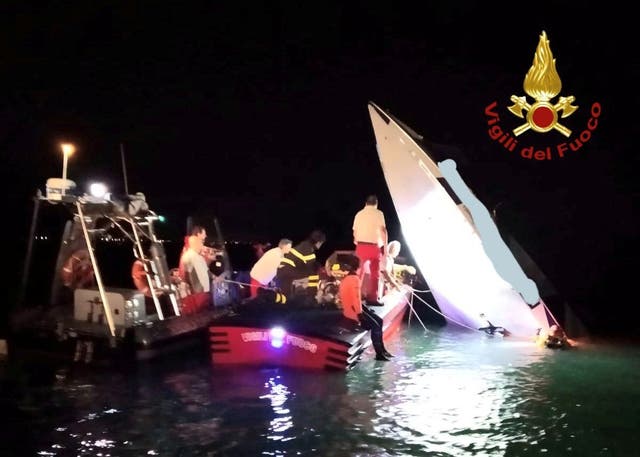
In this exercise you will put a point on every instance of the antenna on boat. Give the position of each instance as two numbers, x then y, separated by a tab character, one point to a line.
220	239
124	170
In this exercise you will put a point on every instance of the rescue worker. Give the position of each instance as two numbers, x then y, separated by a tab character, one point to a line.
556	338
194	270
387	276
265	269
350	294
370	238
300	263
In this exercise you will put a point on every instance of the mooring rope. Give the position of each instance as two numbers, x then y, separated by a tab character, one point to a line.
413	292
415	312
240	283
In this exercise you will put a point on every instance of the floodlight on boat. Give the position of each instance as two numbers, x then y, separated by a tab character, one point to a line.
98	190
277	336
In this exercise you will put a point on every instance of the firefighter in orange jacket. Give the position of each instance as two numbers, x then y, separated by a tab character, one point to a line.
350	294
300	263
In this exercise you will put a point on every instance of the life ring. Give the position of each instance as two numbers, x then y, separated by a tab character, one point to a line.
139	276
77	271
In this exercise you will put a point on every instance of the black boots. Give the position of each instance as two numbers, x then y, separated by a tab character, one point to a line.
381	351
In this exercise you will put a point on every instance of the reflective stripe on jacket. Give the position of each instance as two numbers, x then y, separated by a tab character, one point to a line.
300	262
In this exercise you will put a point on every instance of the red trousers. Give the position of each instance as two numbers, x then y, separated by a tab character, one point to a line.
372	253
195	303
253	288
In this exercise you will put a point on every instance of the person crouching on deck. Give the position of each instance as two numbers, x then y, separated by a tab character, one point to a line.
387	279
350	294
265	269
300	263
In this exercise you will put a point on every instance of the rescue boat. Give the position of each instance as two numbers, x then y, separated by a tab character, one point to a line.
87	314
305	332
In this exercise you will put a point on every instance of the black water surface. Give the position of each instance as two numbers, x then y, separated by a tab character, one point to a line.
446	393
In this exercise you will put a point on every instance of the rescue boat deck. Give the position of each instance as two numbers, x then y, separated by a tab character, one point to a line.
278	335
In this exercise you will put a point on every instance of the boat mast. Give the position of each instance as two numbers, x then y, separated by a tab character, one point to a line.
124	170
27	260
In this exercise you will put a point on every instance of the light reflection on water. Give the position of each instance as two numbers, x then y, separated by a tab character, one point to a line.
446	393
278	394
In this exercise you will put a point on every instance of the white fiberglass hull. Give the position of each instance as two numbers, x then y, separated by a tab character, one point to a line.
444	240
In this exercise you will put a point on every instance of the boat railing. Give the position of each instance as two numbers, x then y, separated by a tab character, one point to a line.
133	219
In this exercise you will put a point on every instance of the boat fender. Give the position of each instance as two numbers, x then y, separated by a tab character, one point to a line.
77	271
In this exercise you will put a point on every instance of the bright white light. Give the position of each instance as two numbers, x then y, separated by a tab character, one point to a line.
277	335
98	190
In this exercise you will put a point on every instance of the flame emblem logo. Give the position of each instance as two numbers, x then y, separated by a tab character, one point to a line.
542	83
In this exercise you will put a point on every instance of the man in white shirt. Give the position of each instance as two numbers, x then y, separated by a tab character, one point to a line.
370	238
195	271
265	269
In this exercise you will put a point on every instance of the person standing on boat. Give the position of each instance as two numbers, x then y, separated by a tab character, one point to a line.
300	263
350	295
195	271
265	269
370	238
200	235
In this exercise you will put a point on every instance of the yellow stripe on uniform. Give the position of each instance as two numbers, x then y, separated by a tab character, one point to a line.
288	261
297	253
304	258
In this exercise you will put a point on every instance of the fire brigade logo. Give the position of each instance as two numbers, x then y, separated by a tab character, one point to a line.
542	83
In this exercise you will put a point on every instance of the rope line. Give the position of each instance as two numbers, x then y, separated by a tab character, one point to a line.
414	293
415	312
247	284
440	313
420	291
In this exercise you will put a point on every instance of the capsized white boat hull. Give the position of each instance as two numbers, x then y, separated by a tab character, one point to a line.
444	241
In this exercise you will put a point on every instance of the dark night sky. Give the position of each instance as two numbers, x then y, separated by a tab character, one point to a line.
258	114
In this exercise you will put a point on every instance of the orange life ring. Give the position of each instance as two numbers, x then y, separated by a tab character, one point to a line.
139	276
77	271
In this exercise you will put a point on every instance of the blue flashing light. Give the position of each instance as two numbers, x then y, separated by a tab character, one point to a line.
276	336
